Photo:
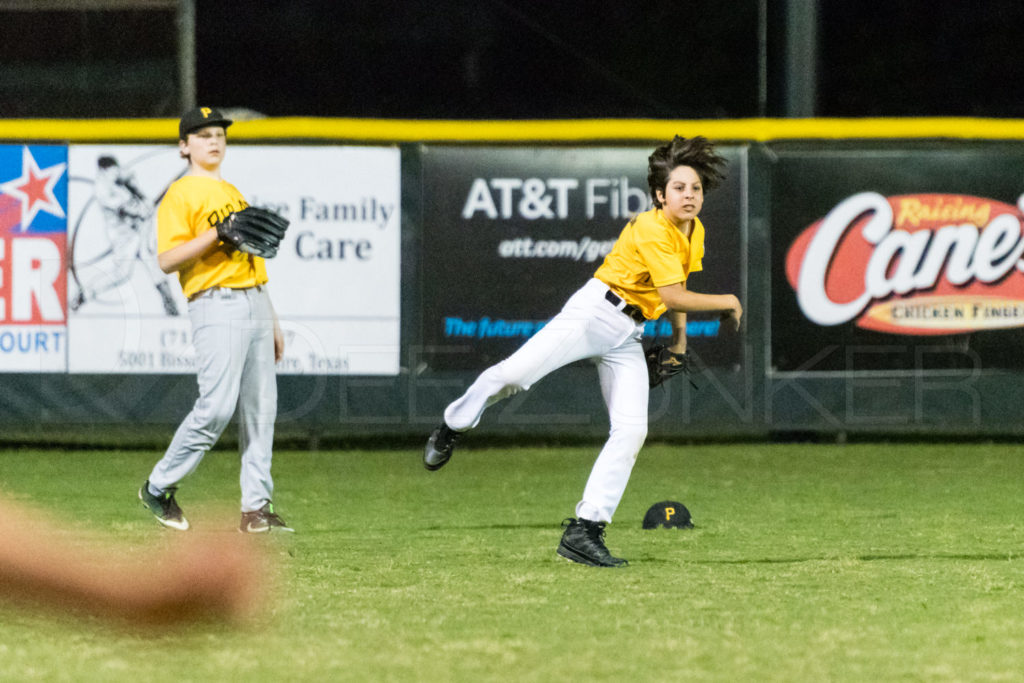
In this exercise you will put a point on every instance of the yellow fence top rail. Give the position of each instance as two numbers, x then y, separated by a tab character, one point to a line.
552	131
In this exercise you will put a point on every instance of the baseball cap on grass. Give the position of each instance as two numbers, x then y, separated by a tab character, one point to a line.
668	514
201	117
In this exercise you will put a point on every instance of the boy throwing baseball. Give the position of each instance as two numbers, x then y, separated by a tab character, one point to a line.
642	277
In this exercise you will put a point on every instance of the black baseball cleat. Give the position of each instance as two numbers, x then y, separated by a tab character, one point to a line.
261	521
164	507
583	542
439	447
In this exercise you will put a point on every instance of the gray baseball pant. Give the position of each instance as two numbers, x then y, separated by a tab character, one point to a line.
233	335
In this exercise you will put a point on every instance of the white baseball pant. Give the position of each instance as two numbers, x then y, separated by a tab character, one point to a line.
233	334
588	326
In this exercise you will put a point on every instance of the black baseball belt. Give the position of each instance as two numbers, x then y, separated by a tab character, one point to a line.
629	309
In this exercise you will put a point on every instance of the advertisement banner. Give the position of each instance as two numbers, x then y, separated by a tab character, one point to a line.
510	234
334	282
897	262
33	235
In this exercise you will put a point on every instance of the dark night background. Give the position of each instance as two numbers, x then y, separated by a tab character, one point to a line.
515	59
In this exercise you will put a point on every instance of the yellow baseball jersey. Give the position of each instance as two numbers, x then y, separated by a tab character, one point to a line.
651	253
192	205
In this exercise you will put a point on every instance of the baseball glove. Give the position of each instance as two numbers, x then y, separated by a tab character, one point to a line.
254	231
663	364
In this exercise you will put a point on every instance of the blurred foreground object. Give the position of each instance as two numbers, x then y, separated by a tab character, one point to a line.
187	579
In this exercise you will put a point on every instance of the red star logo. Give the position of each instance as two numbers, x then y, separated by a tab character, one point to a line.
35	189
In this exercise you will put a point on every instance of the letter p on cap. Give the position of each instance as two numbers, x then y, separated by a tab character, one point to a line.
669	514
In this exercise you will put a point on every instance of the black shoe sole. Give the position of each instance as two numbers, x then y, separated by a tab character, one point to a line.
436	466
573	556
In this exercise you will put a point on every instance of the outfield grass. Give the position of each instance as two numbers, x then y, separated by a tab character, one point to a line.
808	563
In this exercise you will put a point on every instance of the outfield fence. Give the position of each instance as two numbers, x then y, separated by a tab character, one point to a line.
879	262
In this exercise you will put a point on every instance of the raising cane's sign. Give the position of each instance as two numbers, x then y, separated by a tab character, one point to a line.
923	264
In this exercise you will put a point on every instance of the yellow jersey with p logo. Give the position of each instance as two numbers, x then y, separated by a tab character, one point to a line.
651	252
192	205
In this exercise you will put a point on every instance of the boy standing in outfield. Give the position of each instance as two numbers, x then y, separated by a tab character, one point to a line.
642	277
235	331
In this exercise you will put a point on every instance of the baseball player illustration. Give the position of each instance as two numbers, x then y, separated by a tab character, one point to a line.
216	243
128	220
642	277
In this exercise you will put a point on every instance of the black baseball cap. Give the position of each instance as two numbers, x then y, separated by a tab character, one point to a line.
201	117
668	514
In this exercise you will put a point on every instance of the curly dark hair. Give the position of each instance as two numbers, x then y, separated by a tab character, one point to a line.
698	153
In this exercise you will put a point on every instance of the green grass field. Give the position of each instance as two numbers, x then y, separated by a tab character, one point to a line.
810	563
